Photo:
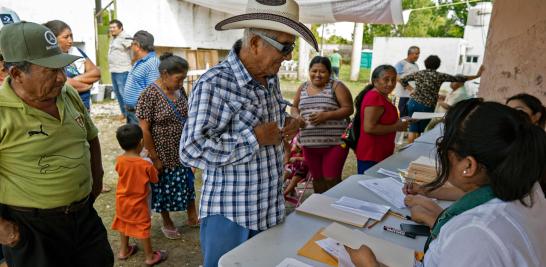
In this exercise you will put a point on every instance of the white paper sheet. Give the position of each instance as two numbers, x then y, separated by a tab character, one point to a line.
388	173
291	262
363	208
427	115
388	189
386	252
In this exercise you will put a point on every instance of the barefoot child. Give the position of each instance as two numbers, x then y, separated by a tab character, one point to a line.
295	167
132	211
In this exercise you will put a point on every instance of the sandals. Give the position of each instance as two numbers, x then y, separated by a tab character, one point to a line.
159	256
132	251
172	234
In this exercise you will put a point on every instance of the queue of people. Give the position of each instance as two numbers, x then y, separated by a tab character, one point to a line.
235	126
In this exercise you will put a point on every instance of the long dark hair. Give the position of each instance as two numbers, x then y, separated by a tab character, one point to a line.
533	104
56	26
321	60
377	72
172	64
504	142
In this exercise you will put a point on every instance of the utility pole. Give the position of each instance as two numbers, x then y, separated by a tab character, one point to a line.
357	50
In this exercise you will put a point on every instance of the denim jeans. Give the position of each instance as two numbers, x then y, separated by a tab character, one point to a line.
118	84
218	236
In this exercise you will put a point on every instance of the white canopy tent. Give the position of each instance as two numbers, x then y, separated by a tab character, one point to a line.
327	11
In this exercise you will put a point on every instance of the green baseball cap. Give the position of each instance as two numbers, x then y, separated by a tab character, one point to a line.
32	42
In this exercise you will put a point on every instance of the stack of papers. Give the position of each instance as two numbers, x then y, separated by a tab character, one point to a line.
388	189
422	170
321	205
363	208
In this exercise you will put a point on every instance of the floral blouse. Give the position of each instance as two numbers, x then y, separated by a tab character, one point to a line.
165	126
427	85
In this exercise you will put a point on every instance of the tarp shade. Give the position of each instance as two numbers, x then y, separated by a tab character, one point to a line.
326	11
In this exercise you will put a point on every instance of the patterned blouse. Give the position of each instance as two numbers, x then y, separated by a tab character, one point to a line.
427	85
165	127
327	133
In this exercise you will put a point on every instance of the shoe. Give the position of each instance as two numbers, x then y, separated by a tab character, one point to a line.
159	256
172	234
132	251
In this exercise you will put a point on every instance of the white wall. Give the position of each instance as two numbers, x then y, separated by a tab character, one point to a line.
176	23
79	16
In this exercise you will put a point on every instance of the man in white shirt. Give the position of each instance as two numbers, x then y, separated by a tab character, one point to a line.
119	60
404	67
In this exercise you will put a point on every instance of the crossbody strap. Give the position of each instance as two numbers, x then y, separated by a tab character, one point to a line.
181	118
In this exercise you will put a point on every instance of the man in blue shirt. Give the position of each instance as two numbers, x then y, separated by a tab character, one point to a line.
143	73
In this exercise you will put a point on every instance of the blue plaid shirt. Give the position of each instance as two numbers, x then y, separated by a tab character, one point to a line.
242	180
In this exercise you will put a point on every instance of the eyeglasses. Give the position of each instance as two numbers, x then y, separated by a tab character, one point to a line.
284	49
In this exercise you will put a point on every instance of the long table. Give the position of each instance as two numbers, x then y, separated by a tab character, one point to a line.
270	247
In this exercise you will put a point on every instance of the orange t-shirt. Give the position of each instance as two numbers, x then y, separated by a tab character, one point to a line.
132	193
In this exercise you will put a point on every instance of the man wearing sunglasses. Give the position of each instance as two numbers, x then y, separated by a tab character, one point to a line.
236	124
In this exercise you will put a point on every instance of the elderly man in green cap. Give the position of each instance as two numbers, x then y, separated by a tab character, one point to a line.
50	162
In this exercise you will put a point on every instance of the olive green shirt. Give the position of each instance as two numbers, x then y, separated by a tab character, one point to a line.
44	162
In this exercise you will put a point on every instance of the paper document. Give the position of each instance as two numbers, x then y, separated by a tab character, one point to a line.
291	262
427	115
388	189
388	173
363	208
321	205
386	252
337	250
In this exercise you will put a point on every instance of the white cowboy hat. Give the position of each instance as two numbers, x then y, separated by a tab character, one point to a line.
276	15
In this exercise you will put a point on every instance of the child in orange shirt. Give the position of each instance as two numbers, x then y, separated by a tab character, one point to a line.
132	211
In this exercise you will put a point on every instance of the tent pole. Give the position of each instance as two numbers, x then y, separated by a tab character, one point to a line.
357	48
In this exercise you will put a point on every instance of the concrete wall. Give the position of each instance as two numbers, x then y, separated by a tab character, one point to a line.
78	15
176	23
514	55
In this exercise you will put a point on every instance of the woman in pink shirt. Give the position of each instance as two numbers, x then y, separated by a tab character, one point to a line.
378	119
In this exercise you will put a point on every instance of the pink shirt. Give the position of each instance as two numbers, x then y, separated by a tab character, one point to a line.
376	147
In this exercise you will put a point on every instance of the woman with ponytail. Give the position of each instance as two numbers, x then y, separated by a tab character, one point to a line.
378	118
496	157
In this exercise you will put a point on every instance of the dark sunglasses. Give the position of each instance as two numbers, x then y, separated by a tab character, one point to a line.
284	49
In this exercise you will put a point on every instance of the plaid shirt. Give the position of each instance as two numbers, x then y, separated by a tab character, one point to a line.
242	180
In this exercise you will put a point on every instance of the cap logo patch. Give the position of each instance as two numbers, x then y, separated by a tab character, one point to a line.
272	2
50	38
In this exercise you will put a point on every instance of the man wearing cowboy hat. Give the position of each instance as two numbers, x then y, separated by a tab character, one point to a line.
50	162
236	124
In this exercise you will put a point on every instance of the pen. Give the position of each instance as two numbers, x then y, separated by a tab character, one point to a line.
398	231
396	214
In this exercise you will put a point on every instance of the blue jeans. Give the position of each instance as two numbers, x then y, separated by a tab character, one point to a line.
86	99
364	165
130	112
118	84
420	125
218	236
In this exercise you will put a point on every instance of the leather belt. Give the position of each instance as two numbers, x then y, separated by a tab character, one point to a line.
73	207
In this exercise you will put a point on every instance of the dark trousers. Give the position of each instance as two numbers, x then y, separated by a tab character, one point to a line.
58	239
402	106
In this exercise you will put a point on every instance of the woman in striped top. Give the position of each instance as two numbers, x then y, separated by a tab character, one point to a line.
324	104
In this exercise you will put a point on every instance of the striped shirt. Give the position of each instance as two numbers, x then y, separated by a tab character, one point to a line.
143	73
327	133
242	180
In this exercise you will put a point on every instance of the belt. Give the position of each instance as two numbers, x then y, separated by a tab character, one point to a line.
130	109
73	207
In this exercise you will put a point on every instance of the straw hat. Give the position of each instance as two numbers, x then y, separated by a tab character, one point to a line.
276	15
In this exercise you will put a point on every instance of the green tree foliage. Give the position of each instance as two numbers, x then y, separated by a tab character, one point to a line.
444	21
